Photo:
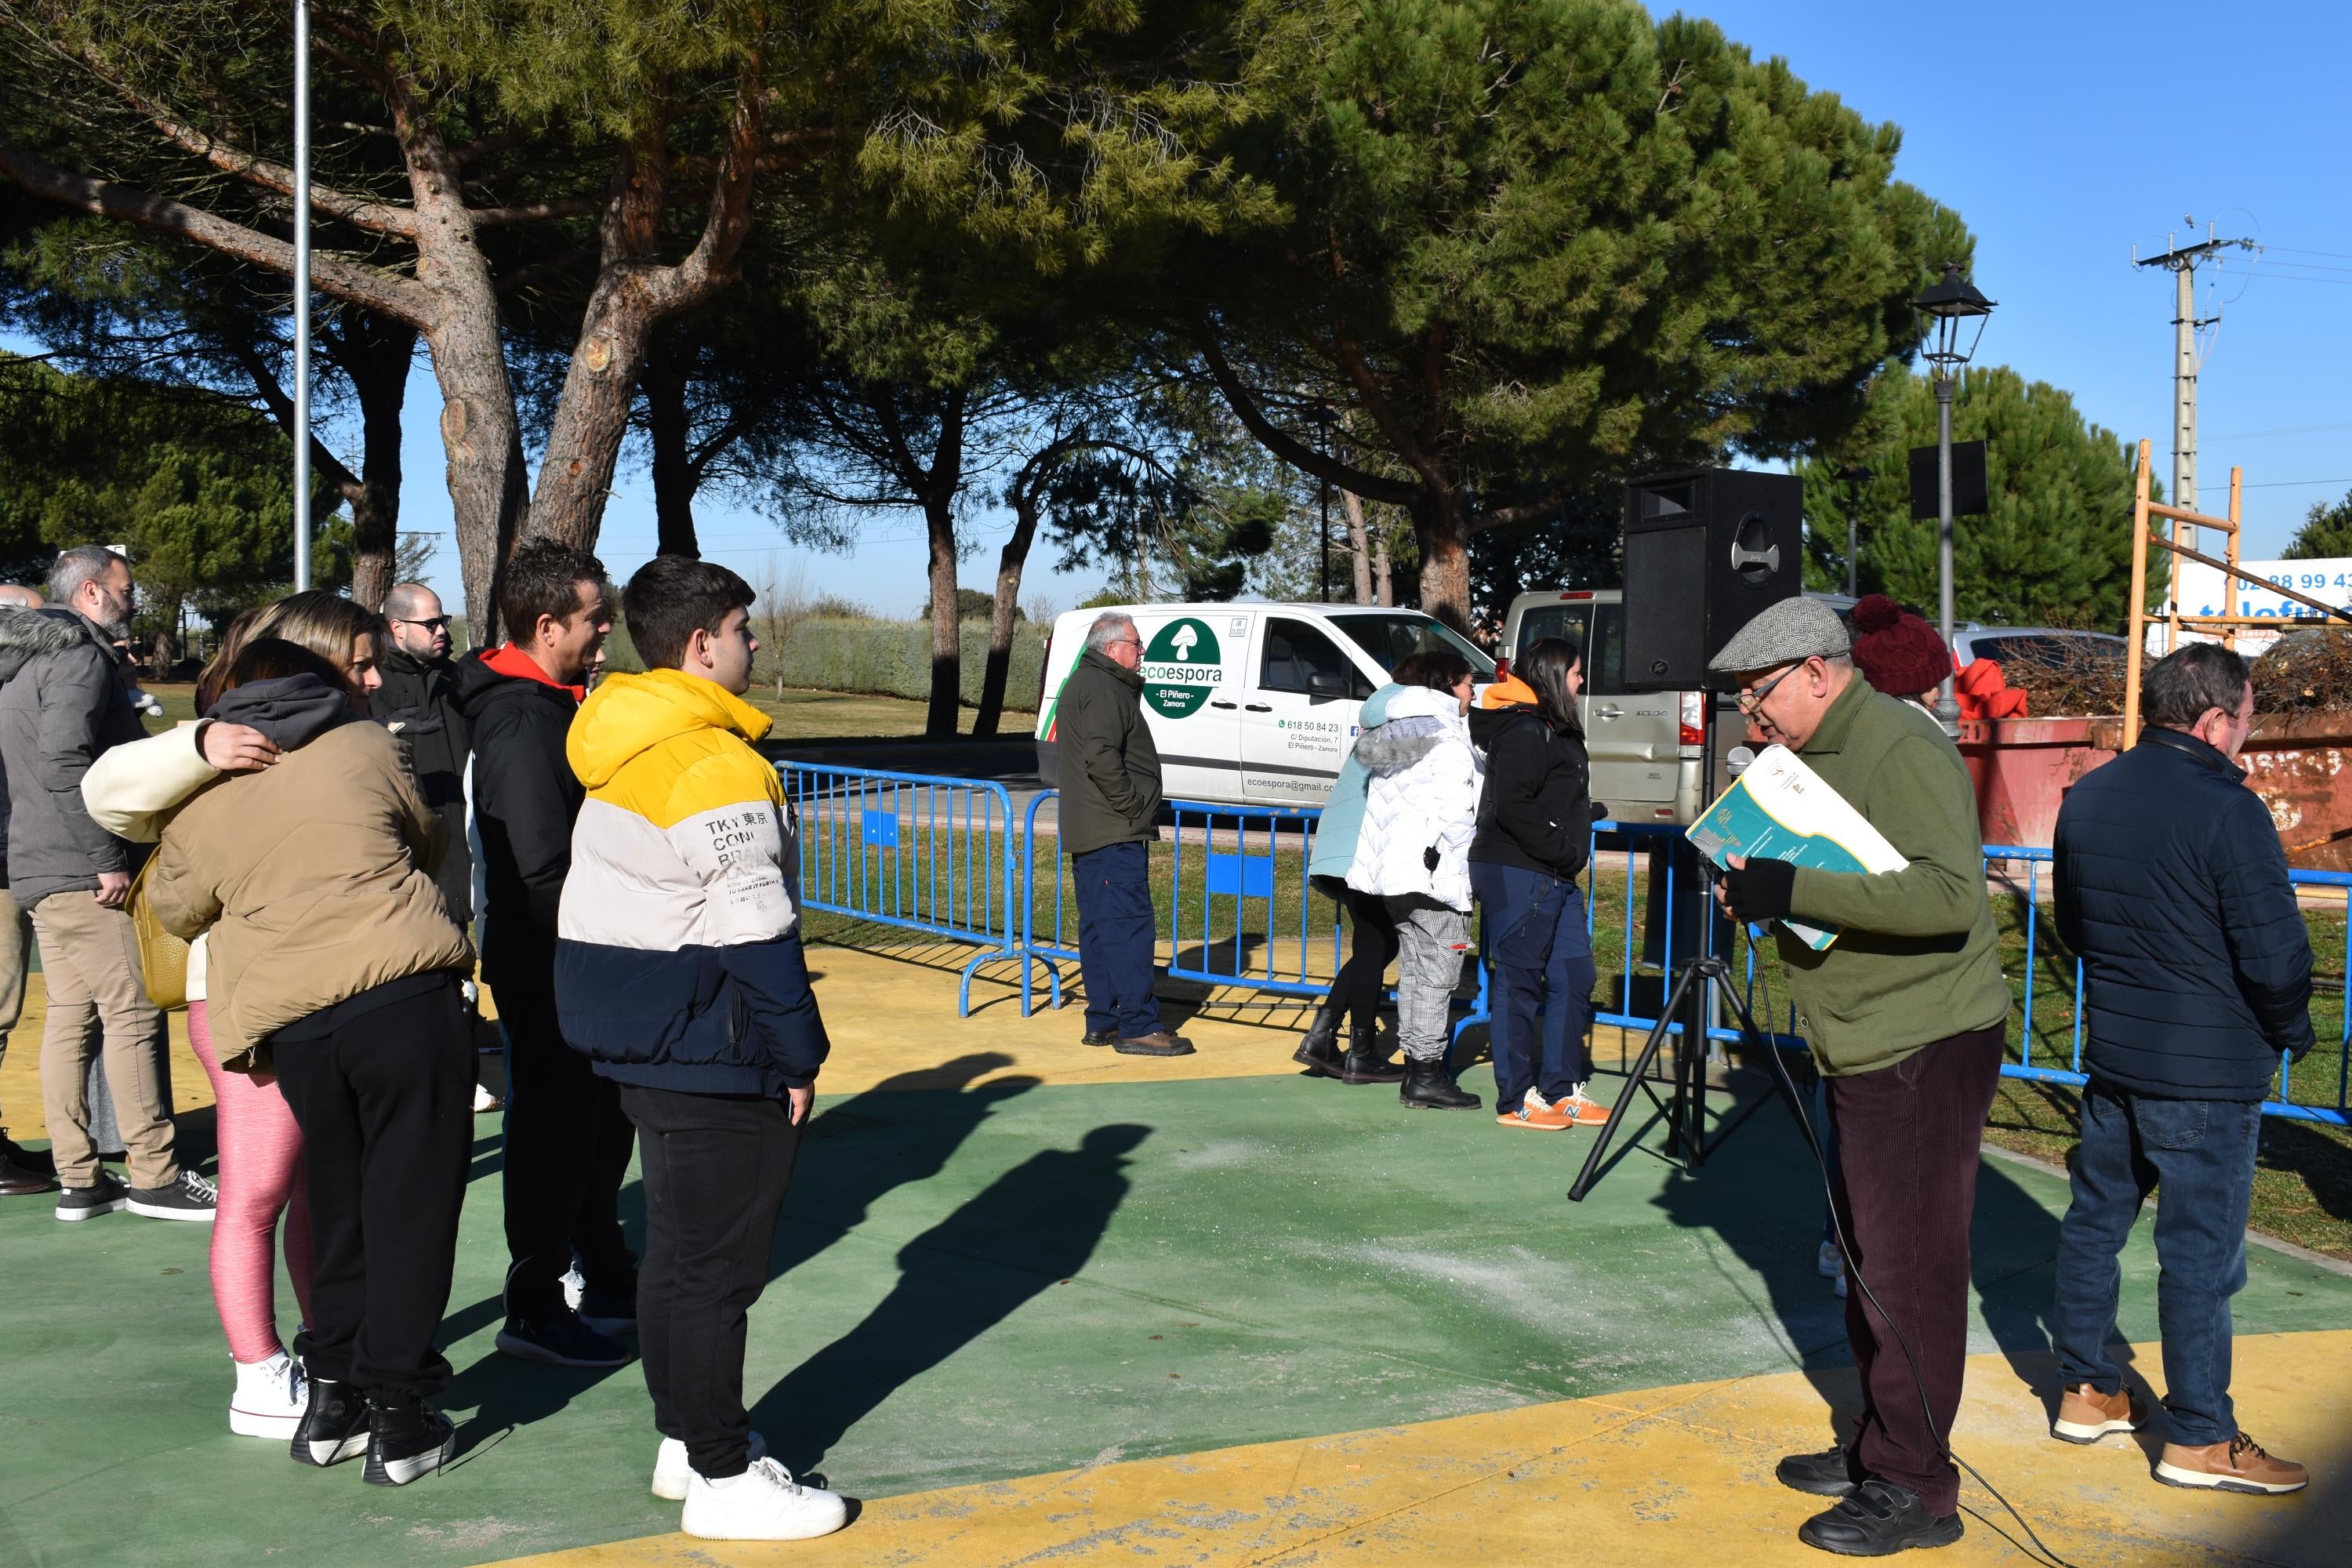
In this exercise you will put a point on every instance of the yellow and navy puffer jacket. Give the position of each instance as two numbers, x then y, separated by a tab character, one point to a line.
678	960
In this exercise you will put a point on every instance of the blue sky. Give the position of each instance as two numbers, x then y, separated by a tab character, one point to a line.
2063	132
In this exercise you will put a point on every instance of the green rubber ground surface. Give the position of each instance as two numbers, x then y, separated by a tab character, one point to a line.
995	1283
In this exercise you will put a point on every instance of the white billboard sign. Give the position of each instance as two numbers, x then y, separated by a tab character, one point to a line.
2200	591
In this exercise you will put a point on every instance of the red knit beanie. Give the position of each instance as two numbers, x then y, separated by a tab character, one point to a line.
1898	652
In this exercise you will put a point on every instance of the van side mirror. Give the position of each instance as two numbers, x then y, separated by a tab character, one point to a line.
1325	683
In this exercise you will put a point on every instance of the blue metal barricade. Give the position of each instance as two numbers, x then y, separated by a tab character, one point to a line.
1239	911
916	851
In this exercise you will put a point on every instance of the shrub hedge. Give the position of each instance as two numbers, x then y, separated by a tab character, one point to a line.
893	658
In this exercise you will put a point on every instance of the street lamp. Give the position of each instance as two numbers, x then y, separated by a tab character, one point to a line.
1950	300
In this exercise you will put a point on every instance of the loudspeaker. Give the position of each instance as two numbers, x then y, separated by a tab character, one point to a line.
1706	550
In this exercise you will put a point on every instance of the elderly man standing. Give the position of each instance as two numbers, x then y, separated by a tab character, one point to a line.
1110	801
1905	1015
2173	889
63	703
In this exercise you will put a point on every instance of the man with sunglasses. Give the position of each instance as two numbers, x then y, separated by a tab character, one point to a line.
1905	1015
420	696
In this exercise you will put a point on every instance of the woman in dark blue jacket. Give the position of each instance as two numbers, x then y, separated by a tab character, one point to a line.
1535	823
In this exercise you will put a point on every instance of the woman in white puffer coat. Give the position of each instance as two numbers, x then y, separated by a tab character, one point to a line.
1412	850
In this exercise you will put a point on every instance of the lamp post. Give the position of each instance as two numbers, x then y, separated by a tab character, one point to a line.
1950	300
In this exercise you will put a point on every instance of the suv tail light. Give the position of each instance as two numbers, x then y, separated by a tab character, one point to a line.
1694	720
1503	668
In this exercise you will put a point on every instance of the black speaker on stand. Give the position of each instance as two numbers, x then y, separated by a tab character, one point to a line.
1707	552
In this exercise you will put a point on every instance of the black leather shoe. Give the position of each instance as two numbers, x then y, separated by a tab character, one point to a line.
1831	1473
1879	1519
20	1181
334	1427
1319	1051
15	1154
1366	1062
1098	1037
1429	1087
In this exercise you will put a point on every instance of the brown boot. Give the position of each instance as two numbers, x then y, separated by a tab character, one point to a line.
2085	1415
2237	1466
1158	1043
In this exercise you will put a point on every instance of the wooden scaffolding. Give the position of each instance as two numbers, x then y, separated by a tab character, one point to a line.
2172	617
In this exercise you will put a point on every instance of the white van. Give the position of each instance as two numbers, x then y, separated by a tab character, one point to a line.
1643	745
1251	704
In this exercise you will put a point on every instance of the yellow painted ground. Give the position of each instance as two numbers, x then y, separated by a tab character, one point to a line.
1668	1476
20	1074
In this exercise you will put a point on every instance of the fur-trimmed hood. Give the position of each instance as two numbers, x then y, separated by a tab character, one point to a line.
25	635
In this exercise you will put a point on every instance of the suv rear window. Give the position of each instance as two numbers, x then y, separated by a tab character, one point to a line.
1390	638
1597	629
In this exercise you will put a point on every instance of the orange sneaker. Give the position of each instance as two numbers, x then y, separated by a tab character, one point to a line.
1533	1112
1581	1109
2085	1415
2237	1466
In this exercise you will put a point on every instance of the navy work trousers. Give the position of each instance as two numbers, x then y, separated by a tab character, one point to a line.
1539	955
1116	938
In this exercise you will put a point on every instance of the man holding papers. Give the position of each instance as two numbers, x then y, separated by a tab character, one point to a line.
1906	1014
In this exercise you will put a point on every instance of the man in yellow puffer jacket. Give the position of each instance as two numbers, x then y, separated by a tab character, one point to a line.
679	973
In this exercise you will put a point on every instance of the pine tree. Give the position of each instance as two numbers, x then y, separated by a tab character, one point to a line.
2326	532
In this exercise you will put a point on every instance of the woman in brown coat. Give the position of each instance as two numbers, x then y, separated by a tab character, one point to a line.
332	964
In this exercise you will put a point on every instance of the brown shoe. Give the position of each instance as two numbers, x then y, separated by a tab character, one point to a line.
2237	1466
2085	1415
1158	1043
20	1181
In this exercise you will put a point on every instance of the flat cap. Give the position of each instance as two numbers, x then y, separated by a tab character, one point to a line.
1792	630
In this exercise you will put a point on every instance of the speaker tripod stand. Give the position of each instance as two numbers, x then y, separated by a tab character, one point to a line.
1684	1110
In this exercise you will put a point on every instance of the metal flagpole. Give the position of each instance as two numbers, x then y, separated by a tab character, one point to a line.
301	294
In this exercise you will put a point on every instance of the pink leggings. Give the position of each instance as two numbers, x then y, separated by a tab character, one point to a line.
260	1178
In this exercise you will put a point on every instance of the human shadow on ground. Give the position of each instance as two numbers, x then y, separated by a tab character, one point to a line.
1032	1228
904	1129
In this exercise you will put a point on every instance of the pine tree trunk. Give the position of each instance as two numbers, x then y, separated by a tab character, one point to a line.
1358	547
376	353
947	634
1010	564
663	383
1441	524
1383	584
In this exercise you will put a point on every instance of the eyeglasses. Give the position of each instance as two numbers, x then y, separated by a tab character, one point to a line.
434	623
1752	701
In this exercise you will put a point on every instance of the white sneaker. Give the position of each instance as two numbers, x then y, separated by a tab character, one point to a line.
763	1503
574	1286
671	1471
1831	1262
484	1101
269	1399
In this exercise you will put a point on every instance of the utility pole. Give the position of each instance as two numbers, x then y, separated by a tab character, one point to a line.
2183	260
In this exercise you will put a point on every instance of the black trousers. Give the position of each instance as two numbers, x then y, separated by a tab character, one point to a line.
386	1107
1356	989
715	1167
567	1151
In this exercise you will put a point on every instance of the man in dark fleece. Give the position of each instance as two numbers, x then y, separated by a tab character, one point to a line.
567	1143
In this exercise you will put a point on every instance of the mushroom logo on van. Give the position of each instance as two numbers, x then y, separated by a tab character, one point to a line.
1181	666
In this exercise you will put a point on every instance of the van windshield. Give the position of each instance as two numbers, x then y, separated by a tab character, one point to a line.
1389	636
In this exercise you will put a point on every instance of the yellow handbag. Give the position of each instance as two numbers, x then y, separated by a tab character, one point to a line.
162	957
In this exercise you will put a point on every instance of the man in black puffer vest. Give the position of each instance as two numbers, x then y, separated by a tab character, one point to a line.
2173	889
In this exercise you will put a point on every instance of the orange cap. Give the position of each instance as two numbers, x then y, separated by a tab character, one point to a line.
1508	692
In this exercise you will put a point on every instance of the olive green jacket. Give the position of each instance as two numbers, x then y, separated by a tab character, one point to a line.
1917	960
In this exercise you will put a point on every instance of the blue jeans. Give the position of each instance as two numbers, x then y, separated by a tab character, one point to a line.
1115	938
2200	1152
1539	954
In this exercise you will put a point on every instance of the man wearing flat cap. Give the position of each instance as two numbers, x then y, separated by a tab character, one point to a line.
1904	1013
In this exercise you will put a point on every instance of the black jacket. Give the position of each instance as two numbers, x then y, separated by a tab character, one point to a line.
2173	888
525	797
1536	811
419	703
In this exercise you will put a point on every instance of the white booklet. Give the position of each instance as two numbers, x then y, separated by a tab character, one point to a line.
1780	809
